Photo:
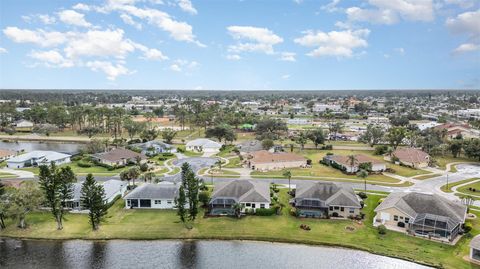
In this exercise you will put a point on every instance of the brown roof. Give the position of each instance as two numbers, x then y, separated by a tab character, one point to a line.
360	158
119	154
411	155
263	156
6	153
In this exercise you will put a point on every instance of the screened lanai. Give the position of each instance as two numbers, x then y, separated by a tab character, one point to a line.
435	226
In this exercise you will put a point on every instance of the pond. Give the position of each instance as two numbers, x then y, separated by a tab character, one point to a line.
185	254
69	148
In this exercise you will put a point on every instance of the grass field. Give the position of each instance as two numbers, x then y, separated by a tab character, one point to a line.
451	185
164	224
7	175
234	163
466	189
95	170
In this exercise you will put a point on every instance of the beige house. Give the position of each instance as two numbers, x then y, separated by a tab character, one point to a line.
412	157
344	161
421	214
5	154
263	160
119	156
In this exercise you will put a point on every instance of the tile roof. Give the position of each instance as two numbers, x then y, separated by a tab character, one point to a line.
243	191
164	190
119	154
411	155
263	156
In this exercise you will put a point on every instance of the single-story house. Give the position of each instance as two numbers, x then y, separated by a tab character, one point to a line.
38	157
345	163
23	125
249	146
119	156
475	249
203	145
264	160
421	214
325	199
251	194
412	157
155	196
6	154
112	187
151	148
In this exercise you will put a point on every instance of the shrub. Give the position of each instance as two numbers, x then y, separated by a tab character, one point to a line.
168	154
467	227
204	197
293	212
380	149
326	147
144	167
76	158
266	211
382	229
362	195
84	164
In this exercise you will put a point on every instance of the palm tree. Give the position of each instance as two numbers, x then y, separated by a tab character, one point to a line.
288	175
352	160
363	174
219	164
238	209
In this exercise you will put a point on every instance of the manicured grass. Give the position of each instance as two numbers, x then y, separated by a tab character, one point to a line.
451	185
175	170
444	160
427	176
95	170
164	224
466	189
7	175
227	151
223	173
161	171
234	163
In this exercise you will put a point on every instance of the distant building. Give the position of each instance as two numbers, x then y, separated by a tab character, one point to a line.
469	113
299	121
325	107
38	157
264	160
119	156
412	157
203	145
344	162
23	125
454	129
152	148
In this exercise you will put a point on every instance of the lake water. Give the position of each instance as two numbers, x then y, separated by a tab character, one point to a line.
186	254
68	148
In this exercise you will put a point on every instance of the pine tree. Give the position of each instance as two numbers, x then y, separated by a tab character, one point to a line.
180	203
93	199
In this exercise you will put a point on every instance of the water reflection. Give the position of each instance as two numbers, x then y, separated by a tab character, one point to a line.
185	254
69	148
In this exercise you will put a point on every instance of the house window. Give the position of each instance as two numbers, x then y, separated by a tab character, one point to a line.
407	220
169	202
253	205
395	218
128	203
158	202
247	204
351	210
336	207
262	205
401	217
331	208
342	209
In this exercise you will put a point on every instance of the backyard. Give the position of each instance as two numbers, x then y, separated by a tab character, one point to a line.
159	224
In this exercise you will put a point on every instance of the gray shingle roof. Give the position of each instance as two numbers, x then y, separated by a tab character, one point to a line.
415	204
243	191
154	191
328	193
475	243
119	154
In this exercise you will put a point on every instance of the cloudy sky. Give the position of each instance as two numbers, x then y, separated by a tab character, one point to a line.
240	44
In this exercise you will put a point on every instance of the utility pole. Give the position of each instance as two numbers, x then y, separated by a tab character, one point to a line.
447	181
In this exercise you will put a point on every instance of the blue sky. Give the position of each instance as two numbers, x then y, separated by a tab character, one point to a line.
240	45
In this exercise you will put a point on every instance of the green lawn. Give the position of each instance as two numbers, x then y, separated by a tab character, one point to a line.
443	161
161	224
175	170
227	151
234	163
451	185
95	170
427	176
7	175
474	191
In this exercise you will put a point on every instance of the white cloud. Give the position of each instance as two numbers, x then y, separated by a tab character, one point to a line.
74	18
461	3
181	65
332	6
254	39
288	56
112	71
298	1
3	50
234	57
151	54
467	47
81	6
334	43
286	76
51	58
186	5
129	20
39	37
467	23
43	18
391	11
400	51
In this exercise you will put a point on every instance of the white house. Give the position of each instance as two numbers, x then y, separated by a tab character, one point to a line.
38	157
112	187
155	196
24	124
203	145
